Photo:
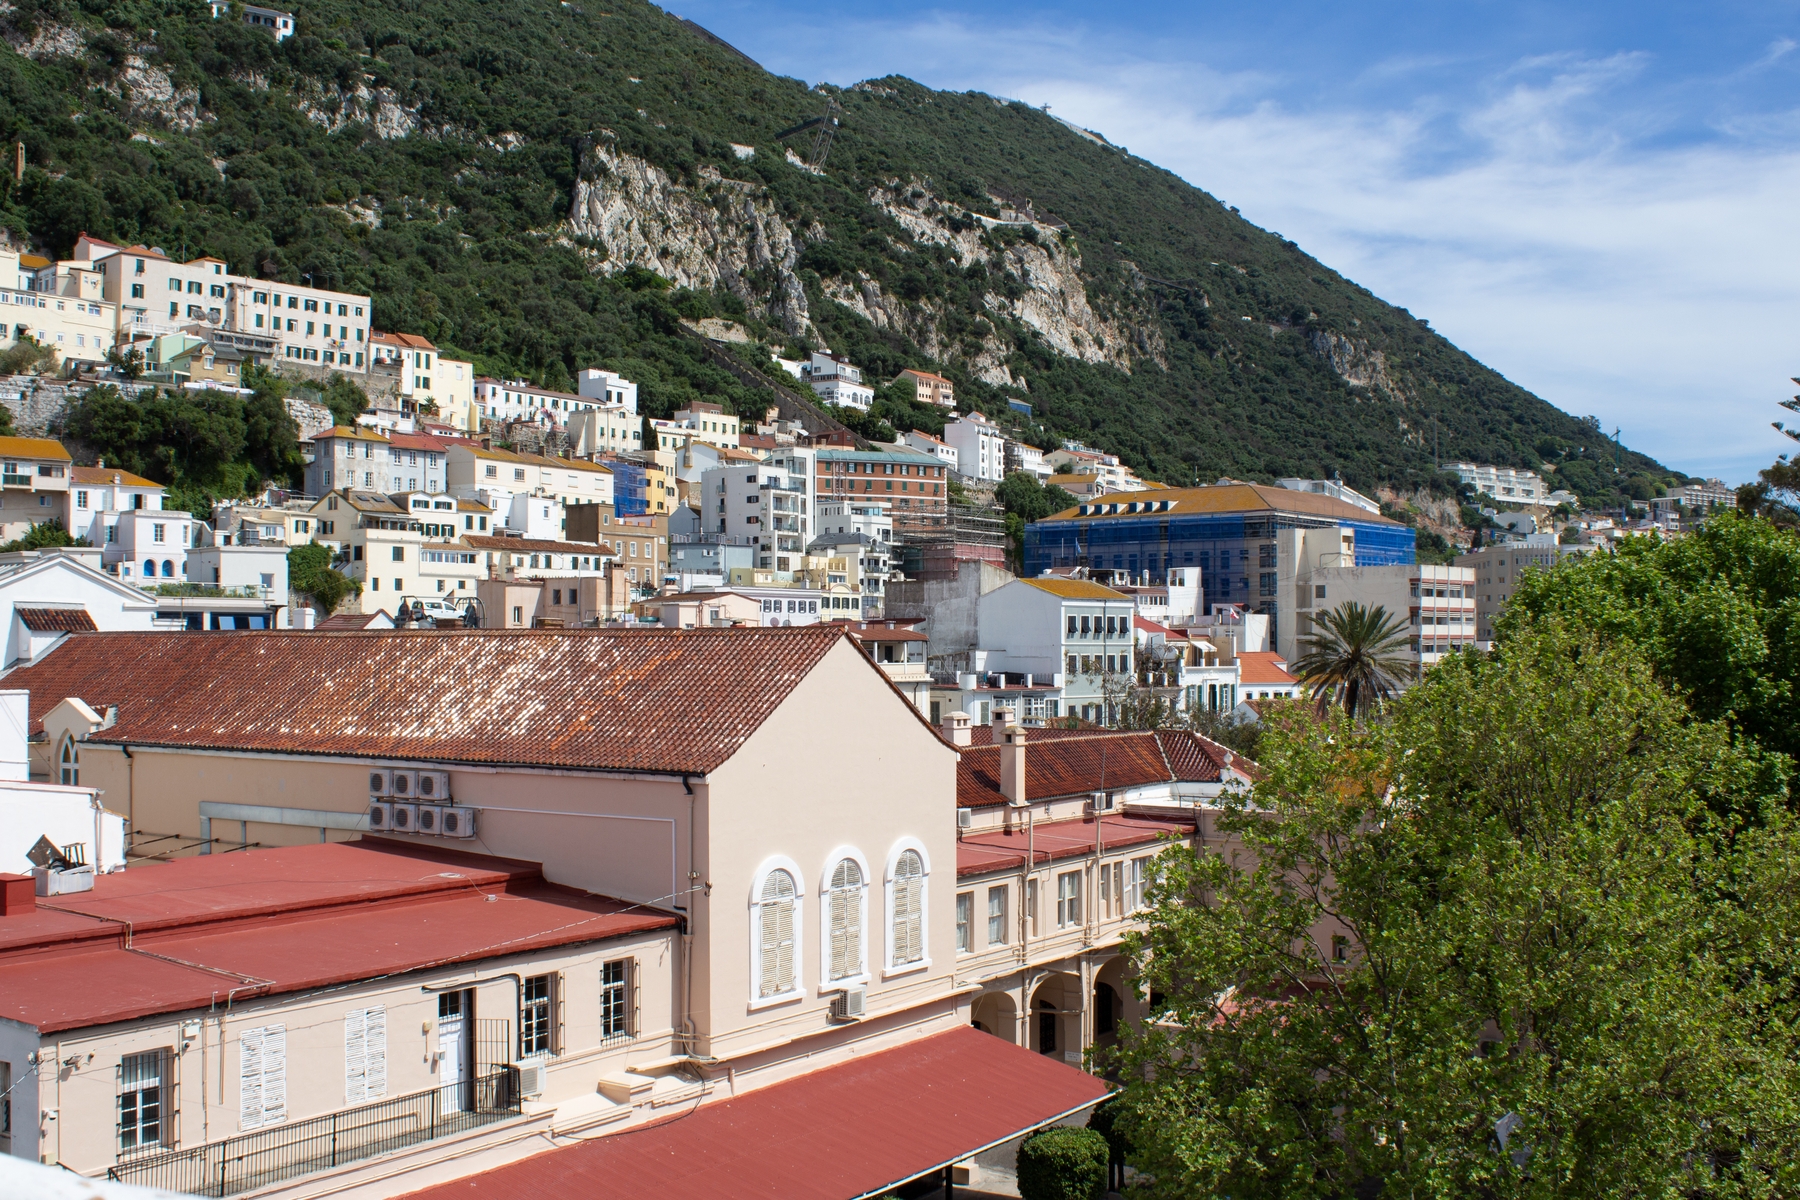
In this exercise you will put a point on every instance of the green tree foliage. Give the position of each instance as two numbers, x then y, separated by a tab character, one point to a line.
26	356
1566	911
311	574
1025	500
345	398
1716	612
44	536
1063	1163
455	230
207	444
1357	657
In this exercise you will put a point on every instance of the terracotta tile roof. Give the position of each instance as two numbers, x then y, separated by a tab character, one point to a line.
55	620
30	447
1230	498
539	460
655	700
1062	763
1076	589
103	476
990	850
879	631
417	441
1263	667
356	621
917	374
355	433
813	1137
410	341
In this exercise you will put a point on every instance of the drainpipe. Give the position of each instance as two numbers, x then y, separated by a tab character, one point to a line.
687	928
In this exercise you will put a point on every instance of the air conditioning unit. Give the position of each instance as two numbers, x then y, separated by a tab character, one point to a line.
531	1077
1100	802
405	783
431	818
434	786
404	818
965	818
848	1005
381	781
456	822
381	815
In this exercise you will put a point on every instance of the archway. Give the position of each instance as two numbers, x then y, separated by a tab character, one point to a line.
1113	1001
1054	1023
996	1013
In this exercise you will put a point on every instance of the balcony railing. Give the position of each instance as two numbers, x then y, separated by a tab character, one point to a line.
248	591
256	1160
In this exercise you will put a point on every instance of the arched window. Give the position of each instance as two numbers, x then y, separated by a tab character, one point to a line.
909	909
149	568
775	934
69	762
168	569
844	922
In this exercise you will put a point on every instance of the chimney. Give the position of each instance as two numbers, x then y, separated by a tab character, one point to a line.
1003	717
956	728
18	895
1012	764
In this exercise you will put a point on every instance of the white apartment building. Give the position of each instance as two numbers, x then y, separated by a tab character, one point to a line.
96	497
1335	488
769	504
1070	633
873	521
151	546
1075	459
605	431
424	381
1505	484
273	21
505	473
980	447
700	422
521	400
157	295
1026	458
934	446
71	315
836	381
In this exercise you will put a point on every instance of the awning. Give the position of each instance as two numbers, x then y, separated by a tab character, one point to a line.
852	1130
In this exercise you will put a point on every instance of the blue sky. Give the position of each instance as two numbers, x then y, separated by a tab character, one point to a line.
1601	201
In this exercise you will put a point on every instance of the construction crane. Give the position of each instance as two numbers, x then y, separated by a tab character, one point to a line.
824	125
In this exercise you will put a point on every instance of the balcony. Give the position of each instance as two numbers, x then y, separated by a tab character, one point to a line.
256	1160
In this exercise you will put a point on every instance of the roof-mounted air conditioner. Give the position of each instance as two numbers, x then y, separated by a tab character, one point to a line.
531	1077
431	818
434	786
457	822
1100	802
405	783
381	781
965	817
405	817
381	815
849	1004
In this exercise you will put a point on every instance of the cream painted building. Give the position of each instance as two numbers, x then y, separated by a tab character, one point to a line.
34	484
61	305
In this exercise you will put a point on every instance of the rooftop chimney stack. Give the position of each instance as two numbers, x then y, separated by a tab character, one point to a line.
956	728
1011	741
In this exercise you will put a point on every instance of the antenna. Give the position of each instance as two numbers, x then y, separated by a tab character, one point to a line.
825	125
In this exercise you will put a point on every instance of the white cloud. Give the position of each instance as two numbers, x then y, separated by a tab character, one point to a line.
1546	218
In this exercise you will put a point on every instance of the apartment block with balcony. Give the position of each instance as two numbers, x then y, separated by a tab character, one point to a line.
980	447
769	504
912	485
598	391
1073	632
899	650
836	381
60	305
1435	605
701	422
1509	485
34	484
523	488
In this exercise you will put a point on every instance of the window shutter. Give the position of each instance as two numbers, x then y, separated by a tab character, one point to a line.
274	1086
356	1057
784	949
766	948
250	1071
262	1076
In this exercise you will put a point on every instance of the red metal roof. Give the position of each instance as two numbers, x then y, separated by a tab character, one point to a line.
851	1130
274	921
999	849
670	701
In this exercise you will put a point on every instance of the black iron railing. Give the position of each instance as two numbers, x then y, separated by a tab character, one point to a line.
254	1160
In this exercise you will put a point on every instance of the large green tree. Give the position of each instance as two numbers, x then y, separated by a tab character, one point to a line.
1528	937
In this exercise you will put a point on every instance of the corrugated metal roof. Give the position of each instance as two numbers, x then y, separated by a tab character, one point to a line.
668	701
282	921
1225	498
850	1130
999	849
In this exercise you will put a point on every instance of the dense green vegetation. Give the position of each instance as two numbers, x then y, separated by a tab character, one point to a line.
457	228
1529	936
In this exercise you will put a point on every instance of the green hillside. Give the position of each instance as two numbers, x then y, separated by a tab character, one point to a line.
430	152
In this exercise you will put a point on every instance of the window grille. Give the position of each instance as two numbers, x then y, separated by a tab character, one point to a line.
536	1027
143	1099
615	999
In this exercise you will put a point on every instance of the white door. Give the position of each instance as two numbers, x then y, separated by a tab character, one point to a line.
454	1028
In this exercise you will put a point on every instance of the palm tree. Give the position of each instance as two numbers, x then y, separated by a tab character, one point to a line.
1357	655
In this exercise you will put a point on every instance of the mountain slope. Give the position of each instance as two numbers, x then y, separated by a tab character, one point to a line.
521	183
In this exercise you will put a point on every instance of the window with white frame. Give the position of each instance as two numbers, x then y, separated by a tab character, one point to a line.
1137	875
777	909
1068	899
69	763
965	921
537	1016
1031	906
996	916
615	999
844	922
143	1101
908	918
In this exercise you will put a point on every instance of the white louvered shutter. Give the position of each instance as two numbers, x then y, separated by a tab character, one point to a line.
356	1057
784	945
375	1027
909	887
274	1083
846	920
775	935
250	1073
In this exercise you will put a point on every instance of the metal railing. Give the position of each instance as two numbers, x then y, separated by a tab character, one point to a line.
255	1160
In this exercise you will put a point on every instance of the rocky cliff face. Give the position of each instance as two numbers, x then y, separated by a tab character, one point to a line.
726	233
